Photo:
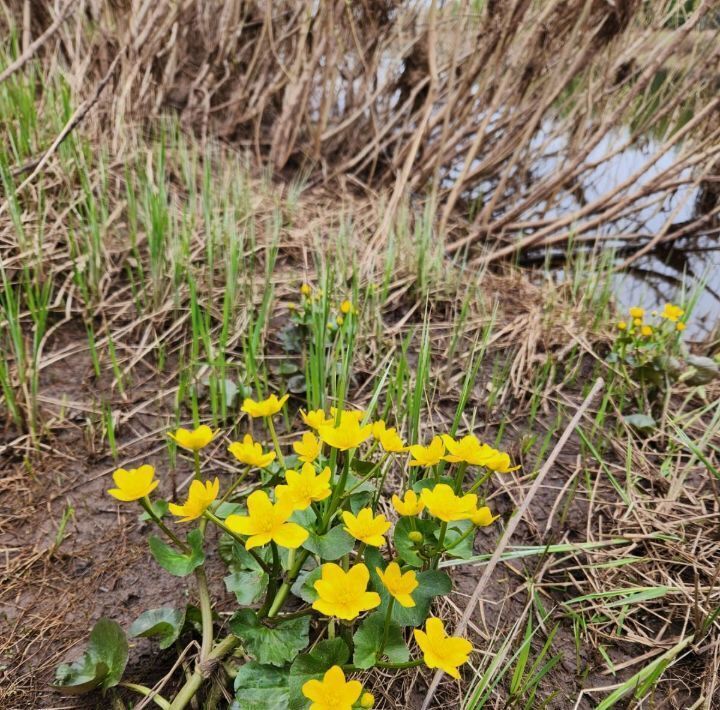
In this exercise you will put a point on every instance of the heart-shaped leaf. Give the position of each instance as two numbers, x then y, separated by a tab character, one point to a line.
101	665
274	644
165	623
177	563
258	687
332	545
368	639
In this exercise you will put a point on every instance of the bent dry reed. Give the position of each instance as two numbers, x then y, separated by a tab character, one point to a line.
327	585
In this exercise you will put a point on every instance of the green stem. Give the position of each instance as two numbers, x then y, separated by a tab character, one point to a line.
205	606
147	692
234	486
196	461
147	507
462	467
376	497
210	516
386	628
441	543
276	443
466	534
339	488
282	593
187	692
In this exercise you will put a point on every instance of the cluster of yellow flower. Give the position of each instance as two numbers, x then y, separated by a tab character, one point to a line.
637	324
309	295
342	591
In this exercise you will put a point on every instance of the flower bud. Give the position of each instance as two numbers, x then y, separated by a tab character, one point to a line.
415	536
367	700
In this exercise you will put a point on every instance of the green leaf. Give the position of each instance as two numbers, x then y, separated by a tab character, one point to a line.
159	507
270	644
406	548
258	687
177	563
368	639
332	545
101	665
303	586
456	530
363	467
247	586
333	652
237	558
166	623
306	517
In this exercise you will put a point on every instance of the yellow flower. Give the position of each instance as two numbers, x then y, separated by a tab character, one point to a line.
133	484
499	462
637	322
672	313
366	527
304	488
266	522
344	594
400	585
347	435
442	502
346	415
346	307
467	449
411	505
482	517
333	692
622	325
680	327
427	455
389	439
367	700
308	449
339	320
440	650
200	496
636	312
305	289
250	453
265	407
646	330
194	440
316	418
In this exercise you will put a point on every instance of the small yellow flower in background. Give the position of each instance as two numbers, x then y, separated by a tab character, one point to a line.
195	439
134	483
305	289
344	594
415	536
339	320
333	692
308	449
266	522
346	307
346	415
366	527
440	650
250	452
636	312
468	449
367	700
316	418
499	462
672	313
482	517
391	442
637	322
200	496
680	327
442	502
646	331
429	455
305	487
346	436
265	407
622	325
410	504
400	585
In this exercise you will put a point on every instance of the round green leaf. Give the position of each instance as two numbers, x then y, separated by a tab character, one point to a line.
274	644
166	623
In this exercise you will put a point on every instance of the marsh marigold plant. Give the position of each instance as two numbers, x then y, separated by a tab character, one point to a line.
334	569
